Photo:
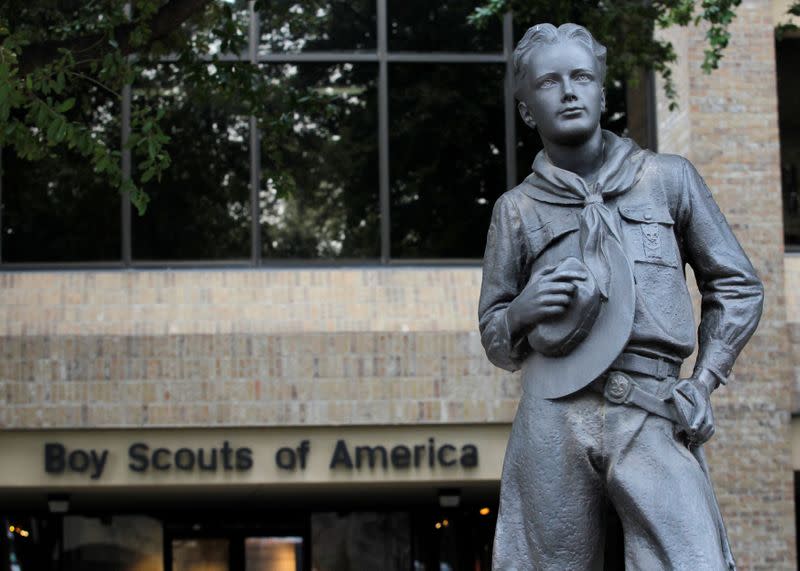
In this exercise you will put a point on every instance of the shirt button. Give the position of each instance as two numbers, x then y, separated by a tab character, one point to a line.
648	216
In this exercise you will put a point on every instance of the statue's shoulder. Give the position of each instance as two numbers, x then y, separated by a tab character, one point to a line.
518	203
668	163
510	201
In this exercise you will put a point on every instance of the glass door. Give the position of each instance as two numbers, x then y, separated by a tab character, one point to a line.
273	554
234	547
201	554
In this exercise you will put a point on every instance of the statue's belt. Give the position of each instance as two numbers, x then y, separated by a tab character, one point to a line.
620	388
633	363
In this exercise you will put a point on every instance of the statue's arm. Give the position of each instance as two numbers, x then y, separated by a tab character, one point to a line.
502	273
732	293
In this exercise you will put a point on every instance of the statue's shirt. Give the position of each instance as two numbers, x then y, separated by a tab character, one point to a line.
665	217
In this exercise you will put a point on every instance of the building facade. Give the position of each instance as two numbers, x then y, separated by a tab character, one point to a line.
214	399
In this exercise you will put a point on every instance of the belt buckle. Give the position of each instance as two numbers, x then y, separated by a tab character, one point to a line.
618	387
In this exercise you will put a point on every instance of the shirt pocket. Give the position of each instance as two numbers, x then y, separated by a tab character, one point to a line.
544	237
649	236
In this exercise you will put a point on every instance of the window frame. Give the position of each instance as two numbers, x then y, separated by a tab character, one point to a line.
383	57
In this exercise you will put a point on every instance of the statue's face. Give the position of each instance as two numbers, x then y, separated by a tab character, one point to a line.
564	96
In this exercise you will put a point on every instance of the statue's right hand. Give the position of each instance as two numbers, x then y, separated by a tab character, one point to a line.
547	295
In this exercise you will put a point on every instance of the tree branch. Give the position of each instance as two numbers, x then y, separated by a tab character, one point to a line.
164	21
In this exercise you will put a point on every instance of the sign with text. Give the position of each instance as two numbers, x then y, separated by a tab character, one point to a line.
230	456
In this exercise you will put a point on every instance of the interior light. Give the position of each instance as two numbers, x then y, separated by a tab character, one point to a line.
11	528
23	533
445	523
484	511
449	498
58	503
438	525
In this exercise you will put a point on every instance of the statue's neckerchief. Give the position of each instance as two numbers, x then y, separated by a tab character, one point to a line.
622	166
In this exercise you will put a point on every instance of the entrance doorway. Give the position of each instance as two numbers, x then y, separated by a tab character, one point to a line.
233	549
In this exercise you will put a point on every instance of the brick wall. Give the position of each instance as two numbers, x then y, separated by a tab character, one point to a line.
727	126
272	347
792	289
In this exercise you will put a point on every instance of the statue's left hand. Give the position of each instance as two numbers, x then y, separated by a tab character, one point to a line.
692	400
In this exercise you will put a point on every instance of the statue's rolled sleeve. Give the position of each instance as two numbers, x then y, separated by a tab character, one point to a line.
732	294
502	271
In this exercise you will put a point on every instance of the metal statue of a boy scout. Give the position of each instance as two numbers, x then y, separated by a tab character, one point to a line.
584	289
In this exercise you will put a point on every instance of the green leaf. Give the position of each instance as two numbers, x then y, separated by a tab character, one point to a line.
66	105
148	174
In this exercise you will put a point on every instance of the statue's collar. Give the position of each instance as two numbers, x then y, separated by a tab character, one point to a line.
621	169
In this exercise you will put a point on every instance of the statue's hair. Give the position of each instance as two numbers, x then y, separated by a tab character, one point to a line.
549	34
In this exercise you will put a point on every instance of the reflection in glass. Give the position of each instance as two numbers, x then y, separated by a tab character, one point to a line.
787	50
31	542
447	163
58	209
422	25
317	25
118	543
200	208
453	539
273	553
360	540
200	554
203	31
319	194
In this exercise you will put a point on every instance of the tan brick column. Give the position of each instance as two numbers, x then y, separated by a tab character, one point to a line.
734	143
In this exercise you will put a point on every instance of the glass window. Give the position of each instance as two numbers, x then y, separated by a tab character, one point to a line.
30	543
421	25
318	162
788	53
447	160
319	165
203	28
453	539
58	209
273	553
200	209
360	540
200	554
317	25
112	543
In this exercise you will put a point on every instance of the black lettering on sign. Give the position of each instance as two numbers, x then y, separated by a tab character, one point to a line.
419	449
54	458
469	456
371	452
158	464
401	456
99	463
244	459
58	460
285	458
211	464
442	455
226	455
138	456
184	459
341	456
78	461
302	453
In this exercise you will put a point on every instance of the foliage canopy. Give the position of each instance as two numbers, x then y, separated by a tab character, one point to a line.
64	65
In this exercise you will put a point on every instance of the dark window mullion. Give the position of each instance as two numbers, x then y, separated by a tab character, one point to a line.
127	166
255	151
1	205
510	108
383	131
